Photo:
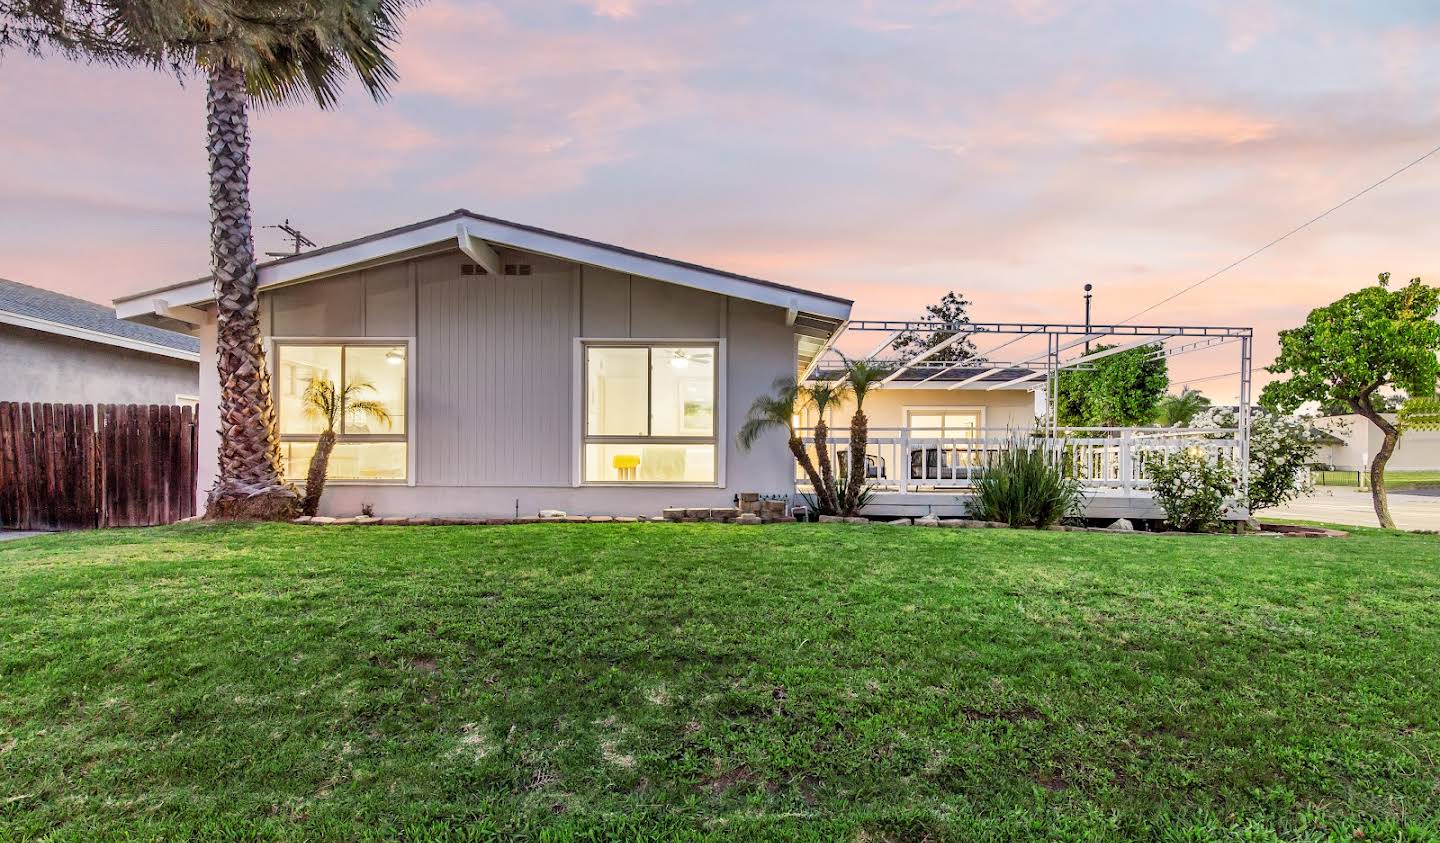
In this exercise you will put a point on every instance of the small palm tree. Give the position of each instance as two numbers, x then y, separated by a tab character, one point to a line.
824	396
778	410
324	403
861	376
1180	409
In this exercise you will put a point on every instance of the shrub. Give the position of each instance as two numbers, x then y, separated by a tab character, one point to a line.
1025	485
1190	486
1282	448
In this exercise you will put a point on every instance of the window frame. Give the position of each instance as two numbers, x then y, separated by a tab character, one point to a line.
943	410
581	434
274	352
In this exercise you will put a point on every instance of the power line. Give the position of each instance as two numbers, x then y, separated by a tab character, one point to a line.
1287	235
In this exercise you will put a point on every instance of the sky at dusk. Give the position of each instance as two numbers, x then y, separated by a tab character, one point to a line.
887	152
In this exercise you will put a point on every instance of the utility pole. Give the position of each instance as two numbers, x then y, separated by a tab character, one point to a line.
1088	288
291	233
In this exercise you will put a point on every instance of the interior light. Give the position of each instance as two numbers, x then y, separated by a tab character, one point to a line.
394	357
679	361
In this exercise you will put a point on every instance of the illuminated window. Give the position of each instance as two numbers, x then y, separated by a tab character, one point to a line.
368	447
650	413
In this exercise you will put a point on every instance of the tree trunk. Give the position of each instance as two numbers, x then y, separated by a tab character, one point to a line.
859	436
315	477
1378	495
802	456
826	494
249	484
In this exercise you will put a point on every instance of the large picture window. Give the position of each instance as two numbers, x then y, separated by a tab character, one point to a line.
367	448
650	413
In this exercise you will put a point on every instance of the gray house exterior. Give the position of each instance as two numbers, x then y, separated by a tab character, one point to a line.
59	349
522	369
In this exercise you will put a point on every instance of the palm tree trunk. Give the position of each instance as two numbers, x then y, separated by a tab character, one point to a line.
826	494
315	477
859	437
249	484
802	456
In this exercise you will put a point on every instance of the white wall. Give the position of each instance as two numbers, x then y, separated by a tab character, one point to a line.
885	407
1419	450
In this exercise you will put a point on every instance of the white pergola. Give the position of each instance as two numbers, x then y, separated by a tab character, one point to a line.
1060	353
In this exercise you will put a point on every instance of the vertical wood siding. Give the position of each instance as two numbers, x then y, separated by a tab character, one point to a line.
494	379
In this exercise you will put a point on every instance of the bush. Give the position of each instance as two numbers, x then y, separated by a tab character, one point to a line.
1190	486
1282	448
1025	485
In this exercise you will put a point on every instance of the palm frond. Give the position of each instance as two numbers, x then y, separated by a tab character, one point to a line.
774	410
862	376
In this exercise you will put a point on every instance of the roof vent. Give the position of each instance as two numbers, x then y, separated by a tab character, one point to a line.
472	269
517	269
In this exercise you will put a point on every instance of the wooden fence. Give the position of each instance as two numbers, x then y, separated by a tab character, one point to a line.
74	466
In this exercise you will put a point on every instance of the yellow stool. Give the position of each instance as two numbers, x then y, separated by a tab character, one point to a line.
625	465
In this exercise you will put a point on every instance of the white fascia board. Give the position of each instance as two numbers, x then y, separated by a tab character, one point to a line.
64	330
444	231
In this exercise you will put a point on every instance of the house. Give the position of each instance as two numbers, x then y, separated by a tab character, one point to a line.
523	369
526	369
60	349
1354	441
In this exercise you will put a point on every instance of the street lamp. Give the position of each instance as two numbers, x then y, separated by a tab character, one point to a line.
1088	288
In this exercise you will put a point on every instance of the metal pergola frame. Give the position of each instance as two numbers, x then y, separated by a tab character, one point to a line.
1059	338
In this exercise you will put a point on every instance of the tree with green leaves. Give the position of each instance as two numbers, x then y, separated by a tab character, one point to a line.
250	52
862	376
1351	349
326	403
952	309
777	410
1122	390
1179	409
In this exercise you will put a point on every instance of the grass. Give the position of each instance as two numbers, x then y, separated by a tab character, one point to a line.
651	681
1394	480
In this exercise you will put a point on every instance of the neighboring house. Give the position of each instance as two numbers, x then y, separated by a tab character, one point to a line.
59	349
1359	440
525	369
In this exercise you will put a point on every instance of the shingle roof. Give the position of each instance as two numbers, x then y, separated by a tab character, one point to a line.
24	300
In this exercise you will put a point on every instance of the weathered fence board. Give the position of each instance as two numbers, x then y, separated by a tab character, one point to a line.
71	466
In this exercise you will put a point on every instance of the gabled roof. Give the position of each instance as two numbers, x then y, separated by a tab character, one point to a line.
475	233
44	310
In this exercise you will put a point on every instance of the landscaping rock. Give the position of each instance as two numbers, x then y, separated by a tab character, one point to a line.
724	512
552	513
394	521
422	522
499	522
748	518
832	519
928	521
576	519
900	522
304	519
1121	525
956	522
697	512
772	507
626	519
601	519
322	520
366	520
673	513
530	519
343	522
855	519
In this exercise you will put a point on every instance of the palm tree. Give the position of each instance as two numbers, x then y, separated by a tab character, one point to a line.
861	376
1180	409
824	396
779	410
271	53
324	403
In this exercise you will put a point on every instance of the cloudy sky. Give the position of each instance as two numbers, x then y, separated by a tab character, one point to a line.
886	151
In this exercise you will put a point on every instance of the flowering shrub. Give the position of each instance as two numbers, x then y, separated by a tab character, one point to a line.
1190	486
1282	448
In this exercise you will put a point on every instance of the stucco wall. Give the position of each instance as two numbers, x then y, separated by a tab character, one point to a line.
1419	450
885	407
495	356
40	366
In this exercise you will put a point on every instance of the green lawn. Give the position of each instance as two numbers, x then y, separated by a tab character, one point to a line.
1394	480
826	682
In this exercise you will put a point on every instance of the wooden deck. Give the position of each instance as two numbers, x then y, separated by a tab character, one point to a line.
950	503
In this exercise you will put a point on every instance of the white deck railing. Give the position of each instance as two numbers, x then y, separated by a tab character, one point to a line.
908	459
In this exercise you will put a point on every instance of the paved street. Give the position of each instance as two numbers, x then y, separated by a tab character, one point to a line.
1347	506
